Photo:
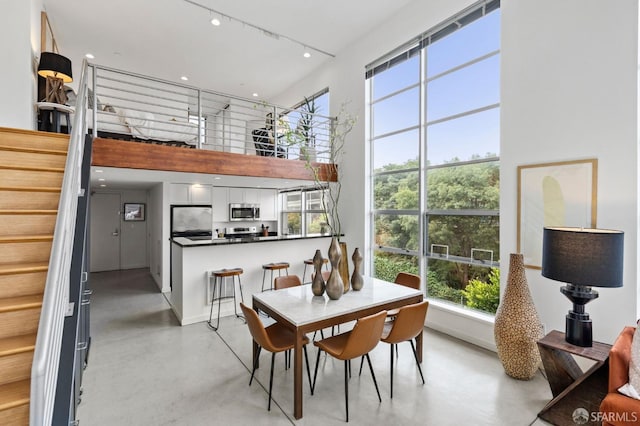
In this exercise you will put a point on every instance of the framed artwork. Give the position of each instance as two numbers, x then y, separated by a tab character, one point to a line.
134	212
554	194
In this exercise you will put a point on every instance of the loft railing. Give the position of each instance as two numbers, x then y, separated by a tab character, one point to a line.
128	105
55	303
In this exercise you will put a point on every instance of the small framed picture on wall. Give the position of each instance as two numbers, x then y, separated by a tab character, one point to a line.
134	212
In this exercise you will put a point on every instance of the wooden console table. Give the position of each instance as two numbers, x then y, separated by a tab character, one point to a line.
571	387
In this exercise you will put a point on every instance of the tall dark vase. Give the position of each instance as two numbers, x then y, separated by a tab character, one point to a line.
517	327
317	284
344	266
334	286
356	279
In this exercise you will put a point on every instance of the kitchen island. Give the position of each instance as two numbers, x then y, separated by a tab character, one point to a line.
193	260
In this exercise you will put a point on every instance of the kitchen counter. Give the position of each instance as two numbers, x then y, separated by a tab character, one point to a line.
186	242
193	261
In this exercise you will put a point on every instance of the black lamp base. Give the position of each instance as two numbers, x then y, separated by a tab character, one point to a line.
578	329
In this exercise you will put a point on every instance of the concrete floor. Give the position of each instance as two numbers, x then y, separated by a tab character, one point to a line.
144	369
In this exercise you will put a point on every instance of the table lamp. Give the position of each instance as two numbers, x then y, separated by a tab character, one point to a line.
57	70
582	258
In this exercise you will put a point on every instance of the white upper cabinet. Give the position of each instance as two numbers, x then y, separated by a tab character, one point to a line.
220	203
184	193
268	204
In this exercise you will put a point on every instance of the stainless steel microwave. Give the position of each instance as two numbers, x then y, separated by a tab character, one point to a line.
239	212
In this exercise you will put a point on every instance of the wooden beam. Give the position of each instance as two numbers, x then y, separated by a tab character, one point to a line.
137	155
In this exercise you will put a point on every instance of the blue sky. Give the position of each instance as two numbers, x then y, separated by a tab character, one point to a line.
462	90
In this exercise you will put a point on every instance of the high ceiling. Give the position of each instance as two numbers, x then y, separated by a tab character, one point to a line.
175	38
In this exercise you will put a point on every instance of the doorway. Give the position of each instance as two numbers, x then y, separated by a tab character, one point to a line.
105	232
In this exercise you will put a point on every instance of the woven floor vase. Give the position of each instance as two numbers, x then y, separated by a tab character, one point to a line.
517	326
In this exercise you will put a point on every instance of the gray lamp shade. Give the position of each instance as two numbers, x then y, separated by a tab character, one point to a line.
584	257
54	65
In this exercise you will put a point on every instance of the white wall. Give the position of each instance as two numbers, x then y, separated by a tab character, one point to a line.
569	91
154	213
20	32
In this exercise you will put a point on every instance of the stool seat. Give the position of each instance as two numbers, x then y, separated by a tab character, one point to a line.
275	266
310	261
227	272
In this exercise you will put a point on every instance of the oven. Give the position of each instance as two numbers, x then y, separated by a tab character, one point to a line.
244	212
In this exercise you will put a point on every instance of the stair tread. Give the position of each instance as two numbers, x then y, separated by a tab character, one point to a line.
14	394
27	211
25	238
32	168
32	150
17	344
9	304
29	188
18	268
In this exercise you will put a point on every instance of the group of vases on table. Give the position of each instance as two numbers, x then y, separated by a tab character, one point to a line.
338	281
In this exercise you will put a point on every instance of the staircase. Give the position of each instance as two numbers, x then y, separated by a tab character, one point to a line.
31	171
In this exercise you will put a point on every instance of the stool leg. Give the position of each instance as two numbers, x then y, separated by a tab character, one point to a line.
234	297
215	285
213	297
271	282
304	272
264	275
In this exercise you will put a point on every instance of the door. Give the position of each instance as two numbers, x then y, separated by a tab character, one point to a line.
105	232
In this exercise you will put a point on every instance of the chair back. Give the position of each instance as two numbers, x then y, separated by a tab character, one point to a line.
408	280
286	281
256	328
408	323
364	336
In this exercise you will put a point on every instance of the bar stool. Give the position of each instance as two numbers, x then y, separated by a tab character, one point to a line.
277	266
310	263
218	281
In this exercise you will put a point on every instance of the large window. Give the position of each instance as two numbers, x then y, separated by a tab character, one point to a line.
435	115
303	213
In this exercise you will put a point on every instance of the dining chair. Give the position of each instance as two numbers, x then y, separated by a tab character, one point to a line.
286	281
358	342
407	325
274	338
408	280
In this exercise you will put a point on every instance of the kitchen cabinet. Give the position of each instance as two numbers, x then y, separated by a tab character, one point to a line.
268	200
184	193
244	195
221	204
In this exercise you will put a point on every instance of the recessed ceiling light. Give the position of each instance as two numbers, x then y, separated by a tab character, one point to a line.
89	56
103	185
98	171
184	78
217	178
101	180
255	95
215	22
306	54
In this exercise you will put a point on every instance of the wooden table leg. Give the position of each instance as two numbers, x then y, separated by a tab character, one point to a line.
297	376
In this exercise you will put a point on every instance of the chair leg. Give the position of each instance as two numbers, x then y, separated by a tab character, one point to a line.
375	382
361	362
315	373
391	353
273	358
255	364
415	355
306	358
346	387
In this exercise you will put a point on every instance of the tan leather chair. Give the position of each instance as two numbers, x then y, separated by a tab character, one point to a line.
274	338
286	281
358	342
408	280
407	326
619	409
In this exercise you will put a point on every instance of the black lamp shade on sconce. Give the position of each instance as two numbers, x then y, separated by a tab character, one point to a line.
54	65
582	258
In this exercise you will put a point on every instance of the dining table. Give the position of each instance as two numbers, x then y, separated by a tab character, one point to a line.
299	310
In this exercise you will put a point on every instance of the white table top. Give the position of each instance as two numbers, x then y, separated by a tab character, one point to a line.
299	306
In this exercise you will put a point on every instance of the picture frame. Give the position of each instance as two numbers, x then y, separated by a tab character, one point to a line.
561	193
134	212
